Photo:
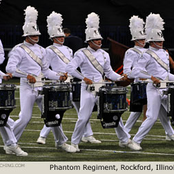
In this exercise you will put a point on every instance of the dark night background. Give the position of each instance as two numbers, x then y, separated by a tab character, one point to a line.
114	18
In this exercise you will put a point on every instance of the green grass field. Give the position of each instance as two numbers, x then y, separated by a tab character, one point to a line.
155	147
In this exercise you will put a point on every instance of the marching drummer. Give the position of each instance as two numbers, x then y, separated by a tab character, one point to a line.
155	62
130	59
10	142
93	62
57	56
27	61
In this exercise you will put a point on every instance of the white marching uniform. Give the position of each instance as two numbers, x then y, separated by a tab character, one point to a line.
58	66
156	101
21	63
130	59
88	99
7	134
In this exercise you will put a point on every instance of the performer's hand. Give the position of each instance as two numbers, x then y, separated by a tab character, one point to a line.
155	80
88	81
31	79
123	77
8	76
63	77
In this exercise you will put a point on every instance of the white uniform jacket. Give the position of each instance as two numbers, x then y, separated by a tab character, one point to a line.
19	59
87	69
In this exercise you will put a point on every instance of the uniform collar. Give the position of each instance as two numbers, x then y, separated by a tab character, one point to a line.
154	49
91	49
138	47
27	43
56	44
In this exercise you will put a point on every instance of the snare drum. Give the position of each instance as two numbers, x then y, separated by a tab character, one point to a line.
55	100
7	102
170	103
112	104
138	93
7	96
57	96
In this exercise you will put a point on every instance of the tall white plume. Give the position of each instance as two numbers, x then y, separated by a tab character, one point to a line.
136	23
92	21
154	21
54	19
31	15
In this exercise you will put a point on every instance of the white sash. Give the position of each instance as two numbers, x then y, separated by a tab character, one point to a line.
93	61
155	56
60	54
136	50
32	54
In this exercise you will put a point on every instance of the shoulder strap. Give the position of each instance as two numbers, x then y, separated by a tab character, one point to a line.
93	60
60	54
31	54
155	56
136	50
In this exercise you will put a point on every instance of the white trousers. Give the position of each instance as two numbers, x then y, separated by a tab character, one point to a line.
133	117
156	107
28	97
7	134
87	102
88	130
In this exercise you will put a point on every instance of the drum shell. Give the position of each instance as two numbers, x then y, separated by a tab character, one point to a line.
138	93
170	101
7	96
57	97
113	99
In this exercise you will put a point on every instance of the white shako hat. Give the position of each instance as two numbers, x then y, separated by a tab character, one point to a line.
54	25
92	26
30	27
154	27
137	28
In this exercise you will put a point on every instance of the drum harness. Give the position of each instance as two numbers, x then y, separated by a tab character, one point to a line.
37	60
157	59
97	66
62	56
161	63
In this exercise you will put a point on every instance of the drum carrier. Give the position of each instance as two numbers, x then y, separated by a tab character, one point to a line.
111	104
170	101
55	101
7	102
138	96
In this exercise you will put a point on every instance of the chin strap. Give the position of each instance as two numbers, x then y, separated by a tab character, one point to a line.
141	43
96	44
35	41
160	47
59	41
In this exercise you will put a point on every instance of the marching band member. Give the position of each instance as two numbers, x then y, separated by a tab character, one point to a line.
155	62
130	59
58	56
27	61
93	62
8	137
